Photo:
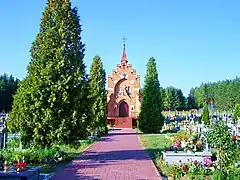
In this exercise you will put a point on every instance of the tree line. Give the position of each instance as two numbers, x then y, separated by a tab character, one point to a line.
221	95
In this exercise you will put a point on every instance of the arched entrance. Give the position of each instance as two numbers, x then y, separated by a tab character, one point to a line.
123	109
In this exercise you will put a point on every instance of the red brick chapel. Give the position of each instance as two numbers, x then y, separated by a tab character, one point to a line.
123	95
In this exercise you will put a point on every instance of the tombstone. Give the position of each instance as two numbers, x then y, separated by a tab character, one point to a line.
229	123
176	124
238	122
192	122
165	126
3	137
224	118
195	129
205	145
233	132
3	129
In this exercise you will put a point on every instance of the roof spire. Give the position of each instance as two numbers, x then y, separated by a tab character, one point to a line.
124	60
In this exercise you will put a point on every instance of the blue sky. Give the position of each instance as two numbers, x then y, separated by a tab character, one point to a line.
192	41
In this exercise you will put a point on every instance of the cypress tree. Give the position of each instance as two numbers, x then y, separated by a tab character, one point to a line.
98	96
150	119
51	104
205	115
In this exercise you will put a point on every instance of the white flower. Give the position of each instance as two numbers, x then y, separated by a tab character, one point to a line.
183	144
212	168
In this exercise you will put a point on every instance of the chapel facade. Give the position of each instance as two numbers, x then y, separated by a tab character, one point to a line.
124	98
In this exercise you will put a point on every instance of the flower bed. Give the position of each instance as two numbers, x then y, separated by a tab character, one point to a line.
186	141
48	158
188	169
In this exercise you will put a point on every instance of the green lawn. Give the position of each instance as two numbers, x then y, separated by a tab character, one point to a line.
154	144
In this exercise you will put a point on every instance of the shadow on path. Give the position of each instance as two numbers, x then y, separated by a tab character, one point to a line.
118	155
115	156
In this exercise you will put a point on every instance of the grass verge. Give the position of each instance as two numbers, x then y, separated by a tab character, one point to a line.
72	151
154	144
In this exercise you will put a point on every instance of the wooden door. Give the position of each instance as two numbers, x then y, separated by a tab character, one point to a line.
123	109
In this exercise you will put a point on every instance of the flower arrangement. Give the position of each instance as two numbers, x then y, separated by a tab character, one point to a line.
176	144
207	161
189	142
188	169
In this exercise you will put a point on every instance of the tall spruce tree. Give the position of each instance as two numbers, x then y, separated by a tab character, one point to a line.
150	119
98	96
205	115
51	104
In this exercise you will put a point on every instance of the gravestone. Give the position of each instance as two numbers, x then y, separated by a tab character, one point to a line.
32	173
174	158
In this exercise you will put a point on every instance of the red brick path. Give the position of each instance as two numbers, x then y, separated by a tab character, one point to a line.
118	156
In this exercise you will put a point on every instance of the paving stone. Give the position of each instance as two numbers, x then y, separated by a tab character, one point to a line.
117	156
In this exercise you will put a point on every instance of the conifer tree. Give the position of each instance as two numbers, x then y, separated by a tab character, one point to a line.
205	115
150	119
51	104
98	96
236	113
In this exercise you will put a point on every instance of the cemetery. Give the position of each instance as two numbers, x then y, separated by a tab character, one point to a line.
198	150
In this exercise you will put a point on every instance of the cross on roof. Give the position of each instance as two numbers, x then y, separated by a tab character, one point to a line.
124	40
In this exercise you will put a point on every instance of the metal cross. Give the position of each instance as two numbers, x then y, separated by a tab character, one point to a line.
124	40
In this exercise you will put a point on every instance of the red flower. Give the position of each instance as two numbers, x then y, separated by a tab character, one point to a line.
19	165
164	150
24	164
185	168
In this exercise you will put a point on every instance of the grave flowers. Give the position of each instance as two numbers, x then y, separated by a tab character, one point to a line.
176	145
188	170
6	166
187	142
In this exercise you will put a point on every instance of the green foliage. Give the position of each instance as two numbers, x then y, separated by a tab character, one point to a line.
236	112
173	99
225	94
191	103
218	175
219	137
98	96
8	87
233	174
13	143
48	158
150	119
205	115
51	104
